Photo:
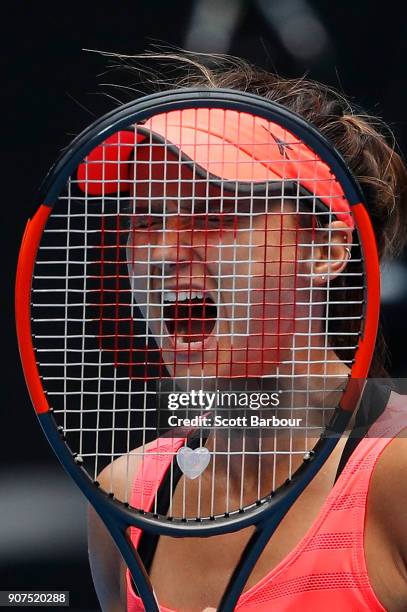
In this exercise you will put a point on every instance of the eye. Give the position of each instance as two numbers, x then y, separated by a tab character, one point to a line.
207	222
147	222
214	220
220	221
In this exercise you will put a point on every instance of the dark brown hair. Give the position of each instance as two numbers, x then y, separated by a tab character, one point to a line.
365	142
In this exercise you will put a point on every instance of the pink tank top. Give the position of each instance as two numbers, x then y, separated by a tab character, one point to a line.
327	568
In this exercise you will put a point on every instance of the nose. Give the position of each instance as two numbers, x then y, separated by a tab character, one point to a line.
172	245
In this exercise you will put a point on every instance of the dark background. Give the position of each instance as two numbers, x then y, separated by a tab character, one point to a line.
52	89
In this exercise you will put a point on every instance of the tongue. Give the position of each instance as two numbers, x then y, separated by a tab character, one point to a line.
189	321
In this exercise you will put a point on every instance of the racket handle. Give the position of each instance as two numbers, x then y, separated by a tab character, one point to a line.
112	519
250	555
265	529
135	566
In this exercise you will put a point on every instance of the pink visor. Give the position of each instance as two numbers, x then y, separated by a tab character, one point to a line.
228	145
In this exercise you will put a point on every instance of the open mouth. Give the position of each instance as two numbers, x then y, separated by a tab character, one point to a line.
190	316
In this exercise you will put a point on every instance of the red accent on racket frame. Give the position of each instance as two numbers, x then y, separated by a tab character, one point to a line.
25	267
363	356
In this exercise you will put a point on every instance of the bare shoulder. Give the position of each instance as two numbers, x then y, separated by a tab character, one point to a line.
385	540
107	567
388	489
387	500
119	475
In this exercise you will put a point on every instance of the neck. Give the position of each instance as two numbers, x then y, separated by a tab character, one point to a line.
306	404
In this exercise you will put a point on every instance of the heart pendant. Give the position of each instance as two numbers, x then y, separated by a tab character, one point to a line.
193	462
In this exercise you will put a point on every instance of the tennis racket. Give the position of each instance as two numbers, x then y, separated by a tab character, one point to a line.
196	253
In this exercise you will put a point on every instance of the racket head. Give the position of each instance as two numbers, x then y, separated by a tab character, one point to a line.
97	173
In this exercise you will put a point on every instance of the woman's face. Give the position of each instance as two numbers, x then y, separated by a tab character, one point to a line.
226	282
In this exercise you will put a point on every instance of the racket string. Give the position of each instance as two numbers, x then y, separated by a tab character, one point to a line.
131	287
